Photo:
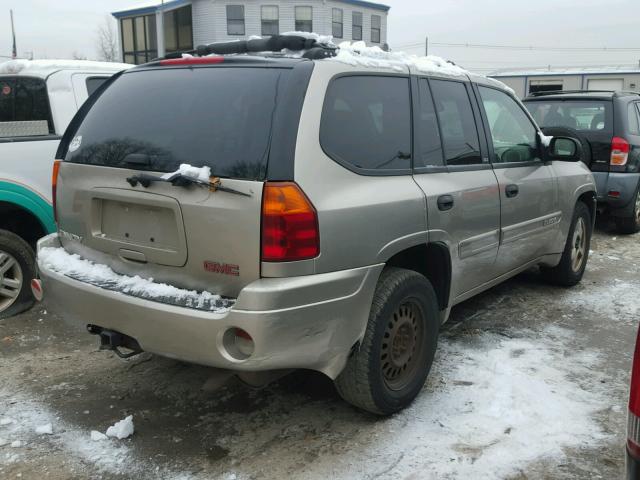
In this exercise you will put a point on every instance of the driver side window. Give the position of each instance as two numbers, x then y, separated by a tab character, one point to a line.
514	136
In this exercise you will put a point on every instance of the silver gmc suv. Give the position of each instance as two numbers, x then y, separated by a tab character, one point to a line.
321	210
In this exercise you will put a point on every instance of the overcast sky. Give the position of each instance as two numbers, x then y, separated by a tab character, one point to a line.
58	29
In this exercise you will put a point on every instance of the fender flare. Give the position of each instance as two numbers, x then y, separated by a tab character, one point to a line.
30	201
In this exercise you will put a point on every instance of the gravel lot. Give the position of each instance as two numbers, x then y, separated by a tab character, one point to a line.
530	382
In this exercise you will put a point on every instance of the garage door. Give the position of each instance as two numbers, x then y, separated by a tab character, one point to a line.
605	84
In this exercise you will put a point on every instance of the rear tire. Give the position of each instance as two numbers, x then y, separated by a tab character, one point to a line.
631	224
571	268
391	365
17	269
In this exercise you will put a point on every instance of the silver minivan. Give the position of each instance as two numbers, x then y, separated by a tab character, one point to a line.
262	213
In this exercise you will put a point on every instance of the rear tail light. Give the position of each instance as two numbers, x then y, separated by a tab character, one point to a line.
289	224
619	151
54	187
633	425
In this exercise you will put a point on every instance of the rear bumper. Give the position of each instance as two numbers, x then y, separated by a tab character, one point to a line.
626	184
307	322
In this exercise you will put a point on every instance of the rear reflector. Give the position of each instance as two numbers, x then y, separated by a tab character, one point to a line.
633	425
54	187
36	289
289	224
619	151
192	61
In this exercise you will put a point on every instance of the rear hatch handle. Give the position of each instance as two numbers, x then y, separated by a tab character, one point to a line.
180	180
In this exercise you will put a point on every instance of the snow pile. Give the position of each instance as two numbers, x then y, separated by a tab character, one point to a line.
325	39
201	174
46	429
72	265
122	429
97	436
357	54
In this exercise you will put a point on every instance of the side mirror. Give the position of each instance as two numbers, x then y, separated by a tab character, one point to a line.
564	149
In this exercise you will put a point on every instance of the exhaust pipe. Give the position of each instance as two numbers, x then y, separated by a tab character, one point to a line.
113	341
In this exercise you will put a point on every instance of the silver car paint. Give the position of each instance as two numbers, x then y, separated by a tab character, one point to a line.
310	314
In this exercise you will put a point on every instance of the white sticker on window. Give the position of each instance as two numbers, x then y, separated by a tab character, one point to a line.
75	143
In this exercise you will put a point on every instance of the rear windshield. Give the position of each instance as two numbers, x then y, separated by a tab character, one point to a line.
157	119
587	115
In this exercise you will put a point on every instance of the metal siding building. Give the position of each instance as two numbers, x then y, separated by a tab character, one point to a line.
603	78
156	29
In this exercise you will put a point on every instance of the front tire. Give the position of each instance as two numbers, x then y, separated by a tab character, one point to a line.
391	365
573	263
17	269
631	224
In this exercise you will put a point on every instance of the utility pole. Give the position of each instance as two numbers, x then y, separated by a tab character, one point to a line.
14	52
426	47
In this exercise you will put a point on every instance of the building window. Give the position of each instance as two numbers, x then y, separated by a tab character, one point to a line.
178	30
235	19
270	20
356	28
336	23
376	26
139	40
304	19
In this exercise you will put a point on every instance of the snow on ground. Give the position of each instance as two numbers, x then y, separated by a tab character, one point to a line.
493	405
109	456
72	265
28	415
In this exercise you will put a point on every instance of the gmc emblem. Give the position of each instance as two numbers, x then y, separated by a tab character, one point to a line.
222	268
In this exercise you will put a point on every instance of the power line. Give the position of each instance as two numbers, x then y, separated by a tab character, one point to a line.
522	47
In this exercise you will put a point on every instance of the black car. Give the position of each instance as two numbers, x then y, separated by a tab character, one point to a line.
608	125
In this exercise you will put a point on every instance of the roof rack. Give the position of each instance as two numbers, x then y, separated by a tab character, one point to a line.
560	92
313	49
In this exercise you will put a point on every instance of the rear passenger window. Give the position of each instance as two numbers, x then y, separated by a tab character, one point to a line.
634	124
94	83
457	123
366	123
427	132
24	107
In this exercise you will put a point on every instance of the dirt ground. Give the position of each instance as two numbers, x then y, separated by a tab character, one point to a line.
530	381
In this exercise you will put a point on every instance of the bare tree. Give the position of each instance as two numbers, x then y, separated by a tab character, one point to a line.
78	56
106	43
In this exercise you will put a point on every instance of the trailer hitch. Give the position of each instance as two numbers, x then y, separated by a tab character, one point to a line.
113	341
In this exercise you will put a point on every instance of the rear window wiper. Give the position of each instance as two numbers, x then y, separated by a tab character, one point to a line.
180	180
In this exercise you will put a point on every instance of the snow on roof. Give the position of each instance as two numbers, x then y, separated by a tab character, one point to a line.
43	68
358	54
141	8
535	72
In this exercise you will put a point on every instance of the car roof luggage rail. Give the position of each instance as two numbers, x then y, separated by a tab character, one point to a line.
312	48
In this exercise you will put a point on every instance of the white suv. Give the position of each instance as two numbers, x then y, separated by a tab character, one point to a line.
38	99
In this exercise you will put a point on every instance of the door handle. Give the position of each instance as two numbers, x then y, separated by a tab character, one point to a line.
445	202
511	191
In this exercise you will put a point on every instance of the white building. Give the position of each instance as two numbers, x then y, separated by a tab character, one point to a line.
156	29
601	78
